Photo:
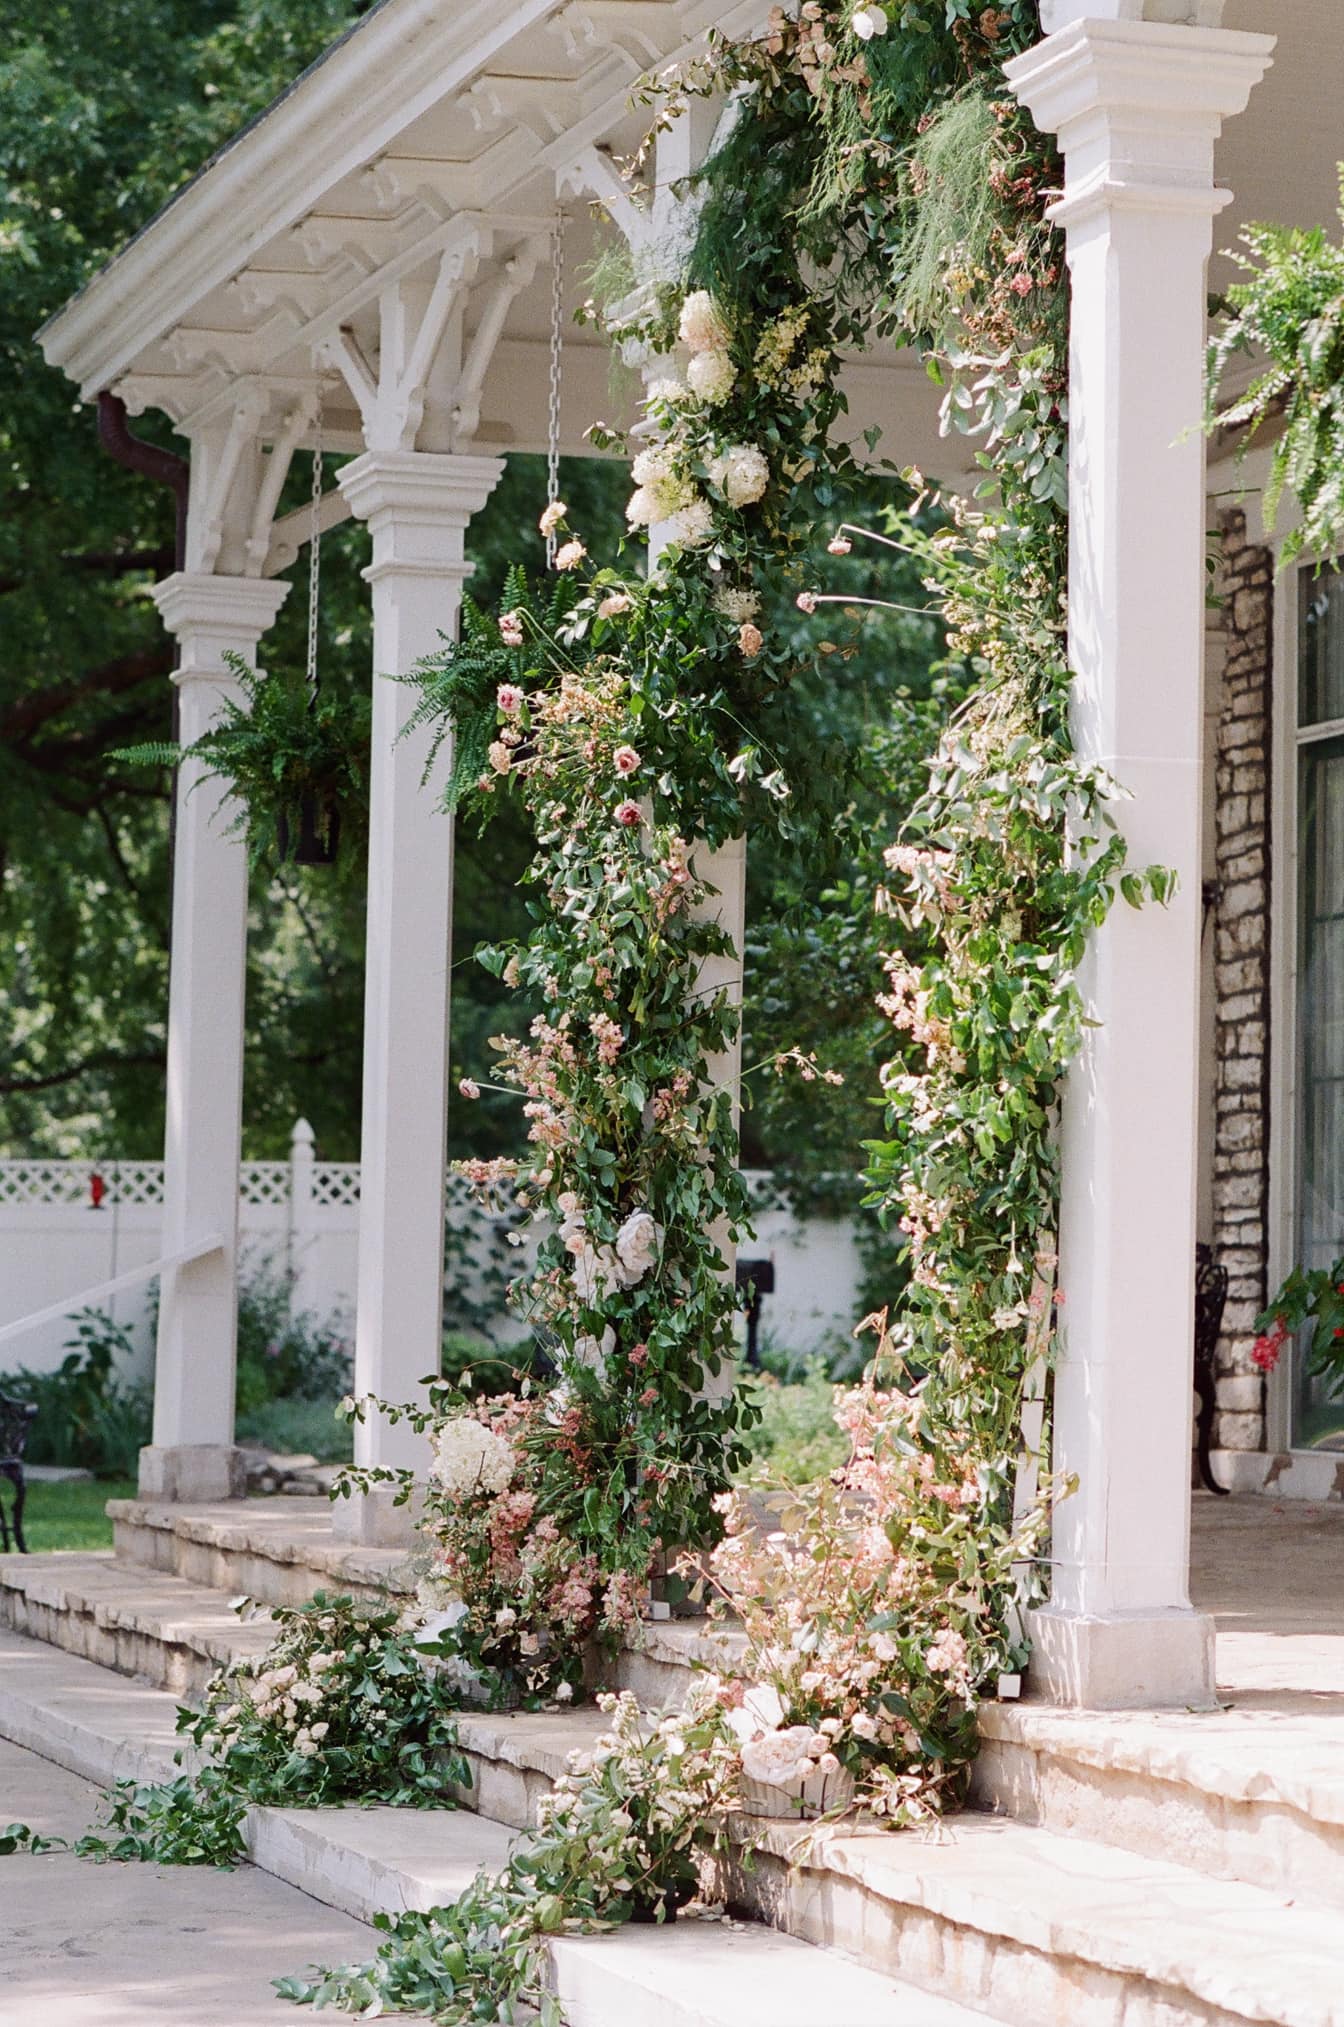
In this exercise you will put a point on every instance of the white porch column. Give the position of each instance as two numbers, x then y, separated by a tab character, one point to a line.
417	505
1137	105
192	1456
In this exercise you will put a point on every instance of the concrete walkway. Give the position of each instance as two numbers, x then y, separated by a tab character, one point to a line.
84	1945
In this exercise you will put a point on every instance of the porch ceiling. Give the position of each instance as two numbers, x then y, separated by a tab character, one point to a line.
431	126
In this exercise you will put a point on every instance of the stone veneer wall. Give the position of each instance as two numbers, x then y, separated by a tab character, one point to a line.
1240	1178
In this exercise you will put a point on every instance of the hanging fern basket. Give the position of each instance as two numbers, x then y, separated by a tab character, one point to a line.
319	832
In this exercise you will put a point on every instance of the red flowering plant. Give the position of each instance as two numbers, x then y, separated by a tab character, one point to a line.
1308	1294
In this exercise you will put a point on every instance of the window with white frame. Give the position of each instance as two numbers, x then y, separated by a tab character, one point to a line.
1318	1194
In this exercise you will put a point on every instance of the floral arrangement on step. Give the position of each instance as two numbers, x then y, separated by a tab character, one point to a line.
621	1837
339	1708
875	1613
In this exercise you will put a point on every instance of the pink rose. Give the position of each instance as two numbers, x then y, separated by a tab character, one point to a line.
626	760
509	699
629	814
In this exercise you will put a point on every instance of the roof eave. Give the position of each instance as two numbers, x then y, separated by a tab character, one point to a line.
343	112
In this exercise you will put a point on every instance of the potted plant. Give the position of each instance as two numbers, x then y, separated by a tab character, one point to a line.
296	764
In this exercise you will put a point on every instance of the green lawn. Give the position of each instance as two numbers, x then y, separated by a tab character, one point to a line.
71	1516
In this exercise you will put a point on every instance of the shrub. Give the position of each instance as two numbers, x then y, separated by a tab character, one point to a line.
87	1415
284	1354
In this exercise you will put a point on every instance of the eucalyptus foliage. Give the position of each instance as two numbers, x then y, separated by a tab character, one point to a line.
1288	315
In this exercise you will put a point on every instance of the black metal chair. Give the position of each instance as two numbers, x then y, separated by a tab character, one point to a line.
16	1418
1210	1300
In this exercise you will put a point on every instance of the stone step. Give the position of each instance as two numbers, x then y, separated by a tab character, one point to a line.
1108	1841
278	1551
368	1861
1253	1791
137	1621
1042	1928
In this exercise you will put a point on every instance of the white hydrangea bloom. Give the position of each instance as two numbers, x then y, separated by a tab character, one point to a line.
711	375
693	523
701	327
641	509
652	467
469	1458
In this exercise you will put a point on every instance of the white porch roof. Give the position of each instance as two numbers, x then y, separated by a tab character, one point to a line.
427	129
432	127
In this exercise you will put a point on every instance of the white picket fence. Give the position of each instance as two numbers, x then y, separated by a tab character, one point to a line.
66	1226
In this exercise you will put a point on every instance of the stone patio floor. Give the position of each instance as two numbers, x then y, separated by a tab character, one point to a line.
1272	1573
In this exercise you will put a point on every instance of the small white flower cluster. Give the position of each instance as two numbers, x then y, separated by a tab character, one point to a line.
741	607
287	1697
469	1458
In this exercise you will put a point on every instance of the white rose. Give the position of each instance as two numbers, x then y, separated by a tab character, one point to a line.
597	1272
862	1725
741	474
711	376
435	1626
593	1355
637	1245
760	1710
780	1758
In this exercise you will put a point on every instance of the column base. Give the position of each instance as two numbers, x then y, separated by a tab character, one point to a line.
1122	1661
370	1519
193	1473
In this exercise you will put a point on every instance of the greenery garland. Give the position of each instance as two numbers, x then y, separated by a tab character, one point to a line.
635	719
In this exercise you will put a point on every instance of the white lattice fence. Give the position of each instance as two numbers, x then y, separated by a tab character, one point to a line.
69	1225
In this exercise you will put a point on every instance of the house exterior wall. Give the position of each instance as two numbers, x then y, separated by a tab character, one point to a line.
1239	1169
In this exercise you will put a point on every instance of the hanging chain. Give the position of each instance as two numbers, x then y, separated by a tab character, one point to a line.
314	566
553	411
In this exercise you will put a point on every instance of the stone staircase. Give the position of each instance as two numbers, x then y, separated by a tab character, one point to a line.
1144	1870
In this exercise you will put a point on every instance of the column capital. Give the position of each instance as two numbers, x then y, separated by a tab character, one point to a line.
407	487
216	615
197	600
1137	104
